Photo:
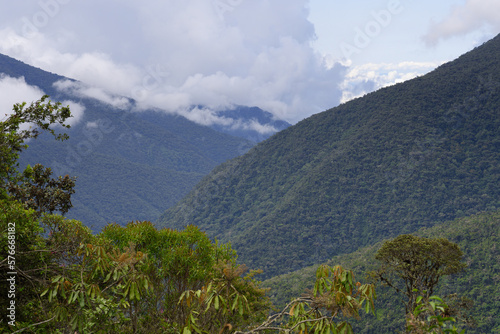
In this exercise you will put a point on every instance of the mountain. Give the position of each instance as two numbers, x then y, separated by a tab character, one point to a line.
251	123
129	165
396	160
478	237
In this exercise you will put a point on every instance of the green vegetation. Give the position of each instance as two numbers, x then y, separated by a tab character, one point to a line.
61	278
129	165
336	295
405	157
342	179
431	316
70	280
477	236
412	265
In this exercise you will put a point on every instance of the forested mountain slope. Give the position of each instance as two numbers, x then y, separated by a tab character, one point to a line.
129	165
478	237
396	160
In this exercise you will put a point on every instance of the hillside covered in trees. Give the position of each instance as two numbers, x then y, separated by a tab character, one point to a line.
478	237
129	165
394	161
401	186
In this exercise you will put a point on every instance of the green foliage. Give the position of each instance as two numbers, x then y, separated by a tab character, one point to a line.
410	263
179	262
92	295
405	157
45	247
430	316
40	116
336	295
38	191
28	261
126	279
476	309
228	301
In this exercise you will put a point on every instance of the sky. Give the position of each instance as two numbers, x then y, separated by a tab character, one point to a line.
293	58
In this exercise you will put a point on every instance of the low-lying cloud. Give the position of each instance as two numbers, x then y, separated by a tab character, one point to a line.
16	90
366	78
81	89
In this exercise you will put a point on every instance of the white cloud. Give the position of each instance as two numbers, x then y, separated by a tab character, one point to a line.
77	111
255	126
92	125
366	78
207	116
174	54
95	69
16	90
464	19
80	89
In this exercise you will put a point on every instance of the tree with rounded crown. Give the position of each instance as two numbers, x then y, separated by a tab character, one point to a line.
411	263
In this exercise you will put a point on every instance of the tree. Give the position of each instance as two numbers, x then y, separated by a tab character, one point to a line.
38	191
23	246
410	263
97	287
226	303
178	261
336	295
33	186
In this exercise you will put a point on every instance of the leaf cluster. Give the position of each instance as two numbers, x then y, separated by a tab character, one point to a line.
412	263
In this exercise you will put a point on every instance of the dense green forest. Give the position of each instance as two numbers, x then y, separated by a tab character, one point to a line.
478	237
58	277
404	157
395	189
130	165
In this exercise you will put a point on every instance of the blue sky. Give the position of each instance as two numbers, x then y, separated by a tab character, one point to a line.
405	31
293	58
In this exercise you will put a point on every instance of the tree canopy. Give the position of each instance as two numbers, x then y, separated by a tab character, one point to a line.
34	187
412	264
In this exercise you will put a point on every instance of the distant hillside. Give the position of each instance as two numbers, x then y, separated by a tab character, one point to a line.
254	123
478	237
130	166
396	160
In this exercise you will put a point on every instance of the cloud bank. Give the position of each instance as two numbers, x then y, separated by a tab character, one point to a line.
16	90
174	55
80	89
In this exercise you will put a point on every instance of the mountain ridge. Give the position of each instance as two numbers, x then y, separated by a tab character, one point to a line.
110	147
398	159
